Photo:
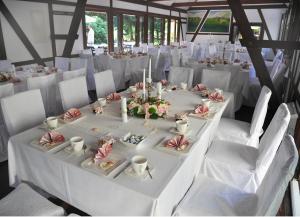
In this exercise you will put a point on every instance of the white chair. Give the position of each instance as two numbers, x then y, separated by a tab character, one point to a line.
5	66
67	75
102	62
62	63
212	50
99	51
208	196
78	63
104	83
137	50
24	201
244	133
118	67
47	85
181	74
87	52
175	57
295	197
216	79
5	91
90	70
245	167
74	93
23	111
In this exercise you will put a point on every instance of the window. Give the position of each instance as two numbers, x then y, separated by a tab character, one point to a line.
173	32
96	29
157	31
166	23
150	29
142	30
116	31
129	24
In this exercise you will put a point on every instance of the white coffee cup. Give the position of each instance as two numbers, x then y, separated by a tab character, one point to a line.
52	122
181	126
102	101
132	89
139	164
183	85
77	143
206	102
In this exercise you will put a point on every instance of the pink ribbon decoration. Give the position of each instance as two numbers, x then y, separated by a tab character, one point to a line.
139	85
178	142
201	110
200	87
72	113
51	137
215	96
164	82
103	152
113	97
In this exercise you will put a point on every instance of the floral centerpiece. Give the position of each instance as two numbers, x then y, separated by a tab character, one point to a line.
153	108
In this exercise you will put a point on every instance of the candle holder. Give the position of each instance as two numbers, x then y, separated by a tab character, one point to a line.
149	88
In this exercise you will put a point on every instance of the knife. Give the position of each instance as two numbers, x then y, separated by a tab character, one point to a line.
124	168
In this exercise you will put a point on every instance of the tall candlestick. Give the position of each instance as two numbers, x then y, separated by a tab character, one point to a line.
124	104
144	84
149	69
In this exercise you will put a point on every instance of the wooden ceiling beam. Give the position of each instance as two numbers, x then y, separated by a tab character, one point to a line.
200	25
224	3
269	6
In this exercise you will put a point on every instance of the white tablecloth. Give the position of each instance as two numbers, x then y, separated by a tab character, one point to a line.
239	82
60	173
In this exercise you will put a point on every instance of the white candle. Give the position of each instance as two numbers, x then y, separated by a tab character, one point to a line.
149	69
144	84
159	90
124	104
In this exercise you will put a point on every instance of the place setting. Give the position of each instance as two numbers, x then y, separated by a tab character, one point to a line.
205	110
71	115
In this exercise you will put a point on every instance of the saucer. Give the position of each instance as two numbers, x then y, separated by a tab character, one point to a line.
130	172
70	150
46	127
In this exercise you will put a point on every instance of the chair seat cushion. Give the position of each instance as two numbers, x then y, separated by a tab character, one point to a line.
236	131
208	197
232	164
25	201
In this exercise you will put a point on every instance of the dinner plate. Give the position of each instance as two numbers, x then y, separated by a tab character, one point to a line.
103	167
52	148
171	150
129	171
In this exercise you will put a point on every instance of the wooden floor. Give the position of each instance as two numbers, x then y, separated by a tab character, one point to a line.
244	114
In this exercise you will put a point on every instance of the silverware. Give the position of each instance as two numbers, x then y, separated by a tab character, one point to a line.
84	148
148	170
124	168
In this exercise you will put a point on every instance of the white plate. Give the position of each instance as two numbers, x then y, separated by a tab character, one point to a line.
162	147
53	148
130	172
89	164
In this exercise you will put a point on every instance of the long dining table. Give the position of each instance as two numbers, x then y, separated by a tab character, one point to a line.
60	173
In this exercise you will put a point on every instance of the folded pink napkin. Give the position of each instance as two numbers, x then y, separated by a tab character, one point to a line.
72	113
103	152
200	87
51	137
113	97
139	85
164	82
178	142
201	110
215	96
97	109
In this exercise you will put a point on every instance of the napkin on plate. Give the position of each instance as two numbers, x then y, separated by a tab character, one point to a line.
178	142
200	87
103	152
139	85
164	82
113	97
51	137
215	96
201	110
72	113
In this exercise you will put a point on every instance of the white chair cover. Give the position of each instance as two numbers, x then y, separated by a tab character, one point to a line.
137	50
208	196
47	85
89	71
5	91
243	133
62	63
190	47
23	111
102	62
216	79
212	50
104	83
78	63
181	74
145	47
118	67
5	66
24	201
67	75
197	53
87	52
99	51
74	93
245	167
175	57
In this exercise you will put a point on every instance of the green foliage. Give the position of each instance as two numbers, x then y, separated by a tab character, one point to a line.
152	110
99	27
218	24
193	23
129	28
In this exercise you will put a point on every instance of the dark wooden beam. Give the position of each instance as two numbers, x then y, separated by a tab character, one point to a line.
137	31
51	24
63	13
219	3
269	6
2	45
181	29
146	17
264	23
169	29
62	37
120	31
162	39
200	25
57	2
293	45
79	12
84	36
110	27
16	27
254	52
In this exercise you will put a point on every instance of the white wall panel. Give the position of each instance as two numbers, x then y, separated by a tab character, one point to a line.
62	24
63	8
129	6
159	11
99	2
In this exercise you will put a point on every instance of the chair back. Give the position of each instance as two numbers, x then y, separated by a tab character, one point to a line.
23	111
102	62
175	57
62	63
99	51
74	93
272	190
5	66
260	111
181	74
47	85
216	79
104	83
67	75
270	141
78	63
